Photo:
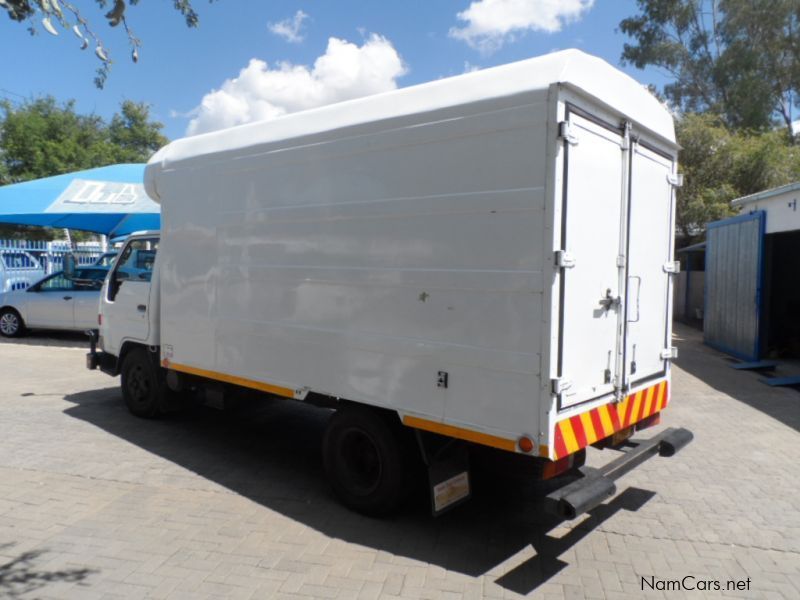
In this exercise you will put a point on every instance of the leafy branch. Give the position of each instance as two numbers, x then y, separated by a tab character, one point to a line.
53	15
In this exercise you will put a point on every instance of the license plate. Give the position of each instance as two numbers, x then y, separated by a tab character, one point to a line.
450	491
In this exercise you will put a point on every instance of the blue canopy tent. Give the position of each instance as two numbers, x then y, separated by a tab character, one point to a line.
108	200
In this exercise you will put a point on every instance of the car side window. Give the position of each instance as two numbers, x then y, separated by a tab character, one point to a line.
57	283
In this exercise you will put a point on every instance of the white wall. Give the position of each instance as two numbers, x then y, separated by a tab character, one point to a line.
783	211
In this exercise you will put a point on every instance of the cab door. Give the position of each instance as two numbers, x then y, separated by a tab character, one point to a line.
126	295
592	282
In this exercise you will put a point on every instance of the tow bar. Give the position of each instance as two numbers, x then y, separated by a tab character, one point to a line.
597	485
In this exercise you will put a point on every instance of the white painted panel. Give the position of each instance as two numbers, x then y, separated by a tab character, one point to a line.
592	237
363	264
782	211
649	249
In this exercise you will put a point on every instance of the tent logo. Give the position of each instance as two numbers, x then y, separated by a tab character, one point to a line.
83	195
81	191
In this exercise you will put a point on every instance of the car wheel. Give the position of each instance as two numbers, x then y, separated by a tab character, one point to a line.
11	323
366	460
143	386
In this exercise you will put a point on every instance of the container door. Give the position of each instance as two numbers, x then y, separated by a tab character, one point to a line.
734	255
650	265
592	274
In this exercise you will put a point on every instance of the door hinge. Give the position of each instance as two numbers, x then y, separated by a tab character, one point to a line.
565	133
560	385
675	179
669	353
672	267
626	138
564	259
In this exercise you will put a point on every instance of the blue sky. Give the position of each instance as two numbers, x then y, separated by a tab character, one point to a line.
384	43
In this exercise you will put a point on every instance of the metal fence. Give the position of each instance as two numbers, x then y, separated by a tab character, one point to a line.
23	262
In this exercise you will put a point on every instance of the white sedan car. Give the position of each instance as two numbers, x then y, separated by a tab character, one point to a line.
54	302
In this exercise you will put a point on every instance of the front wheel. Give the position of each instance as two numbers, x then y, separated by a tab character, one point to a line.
11	324
143	386
366	460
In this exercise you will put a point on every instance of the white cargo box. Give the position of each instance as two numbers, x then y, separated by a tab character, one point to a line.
488	255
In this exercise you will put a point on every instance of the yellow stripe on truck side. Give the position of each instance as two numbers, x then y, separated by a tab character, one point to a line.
248	383
460	433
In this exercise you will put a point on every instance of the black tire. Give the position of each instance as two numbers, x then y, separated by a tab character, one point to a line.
11	323
143	386
367	460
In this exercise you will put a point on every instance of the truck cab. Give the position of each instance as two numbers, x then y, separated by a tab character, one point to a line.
128	310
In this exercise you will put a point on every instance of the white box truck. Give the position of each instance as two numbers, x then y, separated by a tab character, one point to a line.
482	260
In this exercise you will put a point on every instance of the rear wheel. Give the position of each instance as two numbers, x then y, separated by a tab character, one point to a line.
143	385
366	460
11	324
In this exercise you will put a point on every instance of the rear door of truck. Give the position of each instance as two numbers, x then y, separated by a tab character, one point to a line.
649	252
616	244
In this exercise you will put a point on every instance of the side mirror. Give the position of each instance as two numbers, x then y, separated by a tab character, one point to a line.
69	266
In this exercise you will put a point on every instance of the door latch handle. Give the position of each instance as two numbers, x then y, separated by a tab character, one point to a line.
141	307
608	301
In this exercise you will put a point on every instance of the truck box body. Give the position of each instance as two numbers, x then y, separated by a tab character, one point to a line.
488	255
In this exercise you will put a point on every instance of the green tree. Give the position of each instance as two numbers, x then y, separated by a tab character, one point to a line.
41	138
70	16
737	58
721	164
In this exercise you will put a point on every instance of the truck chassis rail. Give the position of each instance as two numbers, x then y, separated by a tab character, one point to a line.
596	485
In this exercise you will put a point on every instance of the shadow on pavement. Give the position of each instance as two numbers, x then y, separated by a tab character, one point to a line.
269	452
714	369
20	577
41	337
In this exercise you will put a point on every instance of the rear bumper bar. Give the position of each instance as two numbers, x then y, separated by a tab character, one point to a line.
597	485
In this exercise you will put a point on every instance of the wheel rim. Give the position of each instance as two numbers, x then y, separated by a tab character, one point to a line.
361	463
138	385
9	323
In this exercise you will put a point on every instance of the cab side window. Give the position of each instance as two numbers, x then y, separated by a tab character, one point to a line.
135	263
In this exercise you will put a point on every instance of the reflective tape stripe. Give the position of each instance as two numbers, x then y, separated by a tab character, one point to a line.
586	428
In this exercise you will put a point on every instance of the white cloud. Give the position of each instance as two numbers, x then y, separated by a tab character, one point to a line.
261	92
289	29
488	24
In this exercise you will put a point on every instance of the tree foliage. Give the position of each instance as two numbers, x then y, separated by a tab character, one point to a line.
721	164
69	16
737	58
41	138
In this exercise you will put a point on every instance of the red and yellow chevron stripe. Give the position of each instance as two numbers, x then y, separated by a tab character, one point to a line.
585	429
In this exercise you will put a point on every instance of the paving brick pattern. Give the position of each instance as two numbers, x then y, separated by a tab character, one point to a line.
95	503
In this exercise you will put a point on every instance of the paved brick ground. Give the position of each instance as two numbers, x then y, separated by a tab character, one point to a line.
97	504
